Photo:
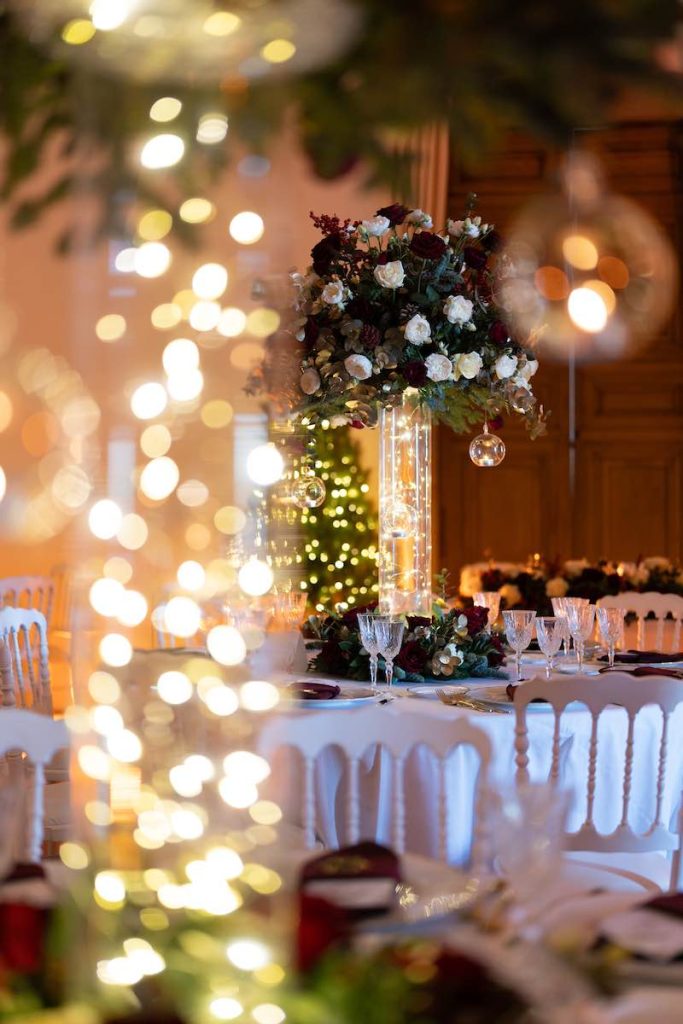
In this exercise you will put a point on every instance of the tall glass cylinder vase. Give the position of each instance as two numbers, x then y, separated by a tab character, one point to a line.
405	517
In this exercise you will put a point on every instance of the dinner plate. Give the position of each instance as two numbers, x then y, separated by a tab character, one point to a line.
429	692
495	696
347	697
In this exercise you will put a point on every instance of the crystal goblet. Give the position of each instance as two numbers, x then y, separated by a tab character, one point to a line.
519	629
550	633
389	633
560	612
489	599
581	619
367	624
611	623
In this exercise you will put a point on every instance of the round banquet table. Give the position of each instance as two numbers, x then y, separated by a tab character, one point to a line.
422	770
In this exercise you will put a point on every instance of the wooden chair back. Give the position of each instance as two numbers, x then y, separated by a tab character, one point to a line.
28	592
23	633
659	605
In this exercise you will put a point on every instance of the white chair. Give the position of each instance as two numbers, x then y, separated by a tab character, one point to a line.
632	694
39	738
28	592
311	734
23	631
659	605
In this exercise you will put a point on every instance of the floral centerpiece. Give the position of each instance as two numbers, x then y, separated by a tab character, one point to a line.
451	645
388	304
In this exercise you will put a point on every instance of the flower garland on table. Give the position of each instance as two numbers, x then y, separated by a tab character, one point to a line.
451	645
388	305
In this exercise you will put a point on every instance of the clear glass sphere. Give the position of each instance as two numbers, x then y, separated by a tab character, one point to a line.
399	520
487	450
310	492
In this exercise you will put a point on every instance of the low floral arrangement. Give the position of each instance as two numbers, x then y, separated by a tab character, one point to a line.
451	645
533	586
389	304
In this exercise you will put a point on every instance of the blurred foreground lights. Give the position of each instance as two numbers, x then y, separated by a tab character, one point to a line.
226	645
192	494
263	322
186	386
268	1013
209	281
124	746
166	108
106	597
109	14
166	315
144	956
225	862
225	1008
149	400
133	610
246	227
155	440
248	954
115	650
278	51
184	781
237	793
255	577
94	762
106	720
104	519
118	971
204	315
3	483
216	414
221	23
164	150
220	700
124	261
104	688
111	327
245	766
191	575
265	464
212	128
259	695
133	532
110	887
74	856
152	259
159	478
232	322
78	31
179	356
174	688
586	274
155	224
197	210
182	617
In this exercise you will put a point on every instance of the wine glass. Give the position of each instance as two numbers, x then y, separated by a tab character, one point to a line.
519	629
560	612
367	624
611	623
550	632
389	633
581	619
489	599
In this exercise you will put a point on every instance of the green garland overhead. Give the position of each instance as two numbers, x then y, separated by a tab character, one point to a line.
476	65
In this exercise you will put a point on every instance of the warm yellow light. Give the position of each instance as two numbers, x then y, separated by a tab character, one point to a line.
204	316
152	259
78	31
277	51
237	793
115	650
210	281
602	289
120	970
225	1008
268	1013
104	519
221	23
185	386
212	128
174	687
149	400
580	252
255	577
197	536
265	812
225	861
192	493
197	210
125	260
6	411
164	150
109	14
216	414
106	596
265	464
246	227
155	224
246	766
182	617
220	700
133	609
159	478
229	520
184	782
106	720
263	322
133	532
166	315
125	746
587	310
103	687
248	954
110	887
118	568
259	695
94	762
232	322
226	645
74	856
98	813
185	300
191	575
180	356
155	441
165	109
111	327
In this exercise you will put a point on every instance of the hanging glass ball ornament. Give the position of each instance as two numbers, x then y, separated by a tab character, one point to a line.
310	491
399	520
487	450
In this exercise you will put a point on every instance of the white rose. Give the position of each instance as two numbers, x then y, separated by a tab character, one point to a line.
469	364
455	227
333	293
309	381
458	309
471	227
420	219
576	566
377	226
657	562
557	587
438	367
358	366
505	366
470	581
418	329
511	594
390	275
527	369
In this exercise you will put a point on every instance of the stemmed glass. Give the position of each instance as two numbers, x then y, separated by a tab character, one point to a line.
519	629
550	632
560	612
611	623
389	633
489	599
367	624
581	619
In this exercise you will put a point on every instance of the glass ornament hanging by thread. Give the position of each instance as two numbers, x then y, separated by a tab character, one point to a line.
309	491
399	520
487	450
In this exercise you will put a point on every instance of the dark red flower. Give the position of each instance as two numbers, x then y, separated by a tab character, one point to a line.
474	258
311	332
325	252
321	925
497	423
412	657
370	336
498	333
499	657
360	309
382	258
476	619
427	245
22	937
492	241
357	424
413	621
492	579
395	214
415	372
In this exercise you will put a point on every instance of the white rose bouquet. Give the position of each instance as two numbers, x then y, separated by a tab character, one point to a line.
389	304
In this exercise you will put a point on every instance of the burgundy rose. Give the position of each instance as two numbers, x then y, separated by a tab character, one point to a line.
370	336
360	309
497	423
325	252
395	214
412	657
413	621
22	937
492	579
498	333
428	246
320	926
311	332
332	659
499	657
350	618
474	258
492	241
476	619
415	372
382	258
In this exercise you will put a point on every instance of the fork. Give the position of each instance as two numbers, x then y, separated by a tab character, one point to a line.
466	702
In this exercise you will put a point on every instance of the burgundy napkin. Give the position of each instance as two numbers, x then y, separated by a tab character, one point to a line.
644	657
510	690
644	670
670	903
303	690
364	860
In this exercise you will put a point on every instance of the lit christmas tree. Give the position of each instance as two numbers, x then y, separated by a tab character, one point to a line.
340	536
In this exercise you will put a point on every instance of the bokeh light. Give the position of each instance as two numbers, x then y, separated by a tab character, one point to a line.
212	128
111	327
210	281
255	577
197	210
166	108
277	51
180	356
163	150
226	645
104	519
159	478
246	227
221	23
155	224
148	400
265	464
152	259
